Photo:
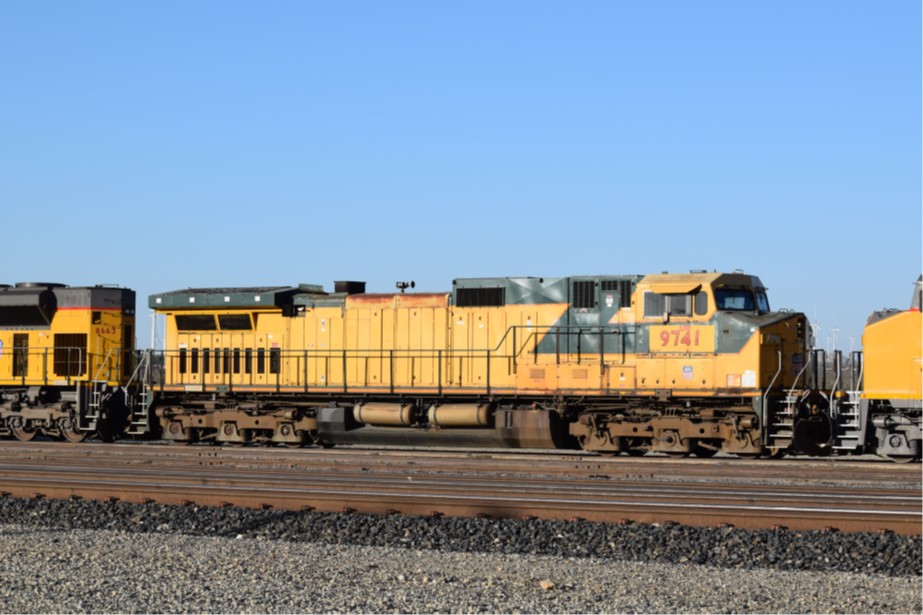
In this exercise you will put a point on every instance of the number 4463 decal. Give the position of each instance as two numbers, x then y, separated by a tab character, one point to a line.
682	338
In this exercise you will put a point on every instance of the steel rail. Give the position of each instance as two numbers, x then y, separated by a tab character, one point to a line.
596	500
505	462
387	501
653	489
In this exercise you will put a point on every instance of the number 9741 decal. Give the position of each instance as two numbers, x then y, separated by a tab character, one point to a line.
682	338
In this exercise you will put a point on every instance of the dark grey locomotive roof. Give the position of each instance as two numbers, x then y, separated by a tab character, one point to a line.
232	297
466	292
33	304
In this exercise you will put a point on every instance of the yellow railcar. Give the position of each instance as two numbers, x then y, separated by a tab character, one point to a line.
64	352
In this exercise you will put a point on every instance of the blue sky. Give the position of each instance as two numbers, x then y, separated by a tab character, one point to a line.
165	145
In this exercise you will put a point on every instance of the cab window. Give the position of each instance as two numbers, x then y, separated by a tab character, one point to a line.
656	305
762	303
701	304
734	300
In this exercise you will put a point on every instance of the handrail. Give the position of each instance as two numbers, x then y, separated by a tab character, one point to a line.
836	381
764	411
141	363
22	355
798	376
778	371
858	356
535	330
443	359
622	329
104	363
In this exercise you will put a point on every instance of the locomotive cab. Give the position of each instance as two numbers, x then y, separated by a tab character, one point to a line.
726	320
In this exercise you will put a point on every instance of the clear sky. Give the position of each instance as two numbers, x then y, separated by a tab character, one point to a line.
164	145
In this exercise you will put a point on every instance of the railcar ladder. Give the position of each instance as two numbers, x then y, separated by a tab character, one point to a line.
87	420
139	420
782	423
848	424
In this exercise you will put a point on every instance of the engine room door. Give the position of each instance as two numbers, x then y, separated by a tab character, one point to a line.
595	340
20	355
584	337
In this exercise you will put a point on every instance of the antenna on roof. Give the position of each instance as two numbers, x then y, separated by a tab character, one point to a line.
405	285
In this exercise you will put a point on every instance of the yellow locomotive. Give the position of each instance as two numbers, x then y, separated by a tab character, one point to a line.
676	363
891	399
65	354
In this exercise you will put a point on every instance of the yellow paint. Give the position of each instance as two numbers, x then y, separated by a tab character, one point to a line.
45	365
893	355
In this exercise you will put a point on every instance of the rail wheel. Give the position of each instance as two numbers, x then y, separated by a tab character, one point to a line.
70	432
678	454
901	458
22	434
177	434
703	452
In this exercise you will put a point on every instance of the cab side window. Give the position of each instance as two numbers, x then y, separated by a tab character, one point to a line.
656	304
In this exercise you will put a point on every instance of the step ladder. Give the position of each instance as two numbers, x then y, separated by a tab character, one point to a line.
849	424
96	395
138	397
139	420
782	423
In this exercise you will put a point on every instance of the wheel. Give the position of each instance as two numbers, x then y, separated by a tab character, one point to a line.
901	458
677	454
703	452
70	432
583	442
24	435
178	435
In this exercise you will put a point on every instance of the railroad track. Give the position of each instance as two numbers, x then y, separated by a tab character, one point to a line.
799	495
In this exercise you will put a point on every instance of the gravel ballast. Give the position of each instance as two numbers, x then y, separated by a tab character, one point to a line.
82	556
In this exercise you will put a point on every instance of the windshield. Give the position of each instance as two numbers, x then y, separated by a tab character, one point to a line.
734	299
762	302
